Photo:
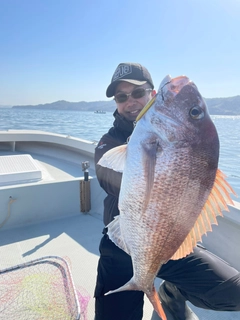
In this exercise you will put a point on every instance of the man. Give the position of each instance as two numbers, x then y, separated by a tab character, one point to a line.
202	278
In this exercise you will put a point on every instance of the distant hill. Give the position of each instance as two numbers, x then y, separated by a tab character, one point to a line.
75	106
216	106
224	106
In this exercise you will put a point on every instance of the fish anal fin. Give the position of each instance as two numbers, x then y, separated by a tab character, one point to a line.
217	201
185	248
114	158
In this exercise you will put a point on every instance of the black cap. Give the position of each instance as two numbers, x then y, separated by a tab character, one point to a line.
133	73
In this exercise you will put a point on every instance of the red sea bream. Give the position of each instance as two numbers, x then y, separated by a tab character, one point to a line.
172	189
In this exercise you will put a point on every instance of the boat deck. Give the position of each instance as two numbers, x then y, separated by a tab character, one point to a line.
45	217
76	239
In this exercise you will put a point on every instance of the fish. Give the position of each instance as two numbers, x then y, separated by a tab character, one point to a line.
172	189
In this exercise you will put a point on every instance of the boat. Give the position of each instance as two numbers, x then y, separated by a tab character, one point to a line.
51	216
99	111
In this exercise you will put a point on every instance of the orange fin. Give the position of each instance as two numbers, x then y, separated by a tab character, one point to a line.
217	201
155	301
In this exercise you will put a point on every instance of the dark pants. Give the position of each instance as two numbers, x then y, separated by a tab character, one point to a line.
203	278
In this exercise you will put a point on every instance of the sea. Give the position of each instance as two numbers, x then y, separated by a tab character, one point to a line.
91	126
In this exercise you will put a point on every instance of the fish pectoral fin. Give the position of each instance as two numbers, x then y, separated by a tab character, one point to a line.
114	158
114	233
150	148
217	201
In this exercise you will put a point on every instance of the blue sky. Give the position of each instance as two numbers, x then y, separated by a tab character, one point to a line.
68	49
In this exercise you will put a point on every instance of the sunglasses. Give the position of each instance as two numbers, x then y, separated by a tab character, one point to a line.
136	94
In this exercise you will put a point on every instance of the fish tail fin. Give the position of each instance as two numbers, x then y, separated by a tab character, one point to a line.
152	296
155	301
129	286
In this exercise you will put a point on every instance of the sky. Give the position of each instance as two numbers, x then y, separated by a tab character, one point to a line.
54	50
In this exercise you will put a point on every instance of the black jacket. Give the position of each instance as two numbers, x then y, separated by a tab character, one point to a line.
110	180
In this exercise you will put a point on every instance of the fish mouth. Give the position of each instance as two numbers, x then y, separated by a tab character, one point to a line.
169	88
173	85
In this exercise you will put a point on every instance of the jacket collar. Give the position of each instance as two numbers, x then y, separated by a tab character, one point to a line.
122	123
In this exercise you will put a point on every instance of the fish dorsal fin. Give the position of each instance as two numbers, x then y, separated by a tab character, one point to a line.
114	233
114	158
217	202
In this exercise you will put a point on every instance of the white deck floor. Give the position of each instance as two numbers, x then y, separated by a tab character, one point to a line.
75	238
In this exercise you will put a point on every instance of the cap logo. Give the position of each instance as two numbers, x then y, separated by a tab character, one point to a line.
122	71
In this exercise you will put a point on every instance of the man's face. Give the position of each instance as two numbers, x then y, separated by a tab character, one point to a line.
132	107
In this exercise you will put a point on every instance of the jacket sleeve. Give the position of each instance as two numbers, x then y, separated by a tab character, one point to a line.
109	179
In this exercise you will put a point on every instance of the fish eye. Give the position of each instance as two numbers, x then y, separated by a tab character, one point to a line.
196	113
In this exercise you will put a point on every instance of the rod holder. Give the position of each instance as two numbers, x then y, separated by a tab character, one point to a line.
85	191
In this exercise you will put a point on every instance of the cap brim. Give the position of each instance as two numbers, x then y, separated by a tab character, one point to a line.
112	87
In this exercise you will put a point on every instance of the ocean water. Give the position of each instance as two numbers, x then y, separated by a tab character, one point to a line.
91	126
